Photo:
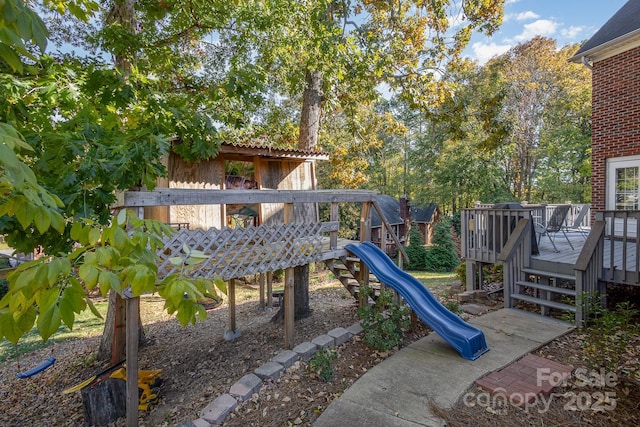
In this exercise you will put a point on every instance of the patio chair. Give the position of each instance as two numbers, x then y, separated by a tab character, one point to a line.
577	221
554	225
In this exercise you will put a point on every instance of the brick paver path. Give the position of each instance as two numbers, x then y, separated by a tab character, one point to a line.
523	380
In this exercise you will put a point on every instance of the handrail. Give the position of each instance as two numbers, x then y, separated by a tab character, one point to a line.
510	248
589	270
515	257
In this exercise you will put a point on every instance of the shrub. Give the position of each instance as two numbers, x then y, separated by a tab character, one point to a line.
383	330
416	251
322	363
441	256
608	333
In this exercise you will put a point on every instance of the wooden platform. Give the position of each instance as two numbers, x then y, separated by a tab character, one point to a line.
564	260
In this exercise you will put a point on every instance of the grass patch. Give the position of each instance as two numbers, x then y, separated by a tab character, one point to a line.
86	325
440	281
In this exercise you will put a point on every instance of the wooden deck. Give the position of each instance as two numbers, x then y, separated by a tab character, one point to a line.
488	232
624	255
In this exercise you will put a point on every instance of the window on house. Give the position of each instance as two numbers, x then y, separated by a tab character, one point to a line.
623	183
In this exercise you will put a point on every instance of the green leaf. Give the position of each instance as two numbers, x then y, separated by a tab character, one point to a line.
107	280
221	285
186	313
94	236
49	319
104	257
93	308
53	271
76	230
72	301
9	328
42	219
57	221
11	58
122	217
143	281
21	279
176	260
26	319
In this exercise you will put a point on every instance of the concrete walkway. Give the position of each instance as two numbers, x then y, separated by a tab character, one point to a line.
397	391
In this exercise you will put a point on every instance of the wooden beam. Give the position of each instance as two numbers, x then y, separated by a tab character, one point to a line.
289	291
133	314
182	196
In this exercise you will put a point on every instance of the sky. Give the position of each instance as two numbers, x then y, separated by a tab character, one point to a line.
566	21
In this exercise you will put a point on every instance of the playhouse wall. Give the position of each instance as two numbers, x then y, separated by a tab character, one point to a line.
207	174
286	174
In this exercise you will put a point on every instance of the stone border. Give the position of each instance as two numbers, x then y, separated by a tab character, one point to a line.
241	391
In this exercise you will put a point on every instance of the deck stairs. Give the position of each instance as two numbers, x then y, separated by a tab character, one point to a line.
547	290
347	270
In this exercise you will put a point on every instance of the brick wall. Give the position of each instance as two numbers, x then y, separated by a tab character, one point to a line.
615	118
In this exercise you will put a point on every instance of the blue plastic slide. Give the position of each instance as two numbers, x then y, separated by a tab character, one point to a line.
466	339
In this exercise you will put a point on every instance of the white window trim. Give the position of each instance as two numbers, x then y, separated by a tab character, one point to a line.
613	164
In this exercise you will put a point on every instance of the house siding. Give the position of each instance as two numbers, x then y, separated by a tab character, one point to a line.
615	116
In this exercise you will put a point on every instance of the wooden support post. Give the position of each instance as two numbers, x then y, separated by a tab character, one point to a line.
333	235
232	333
133	314
262	283
270	289
119	330
365	235
289	291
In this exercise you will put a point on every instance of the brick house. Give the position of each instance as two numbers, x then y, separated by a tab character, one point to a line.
613	54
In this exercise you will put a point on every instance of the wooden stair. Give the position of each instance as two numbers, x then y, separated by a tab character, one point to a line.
347	270
547	290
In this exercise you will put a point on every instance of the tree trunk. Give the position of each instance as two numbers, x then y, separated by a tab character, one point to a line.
112	344
308	139
301	306
311	111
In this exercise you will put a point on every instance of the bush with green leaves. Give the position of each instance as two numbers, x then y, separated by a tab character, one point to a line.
441	255
120	257
416	250
384	323
321	363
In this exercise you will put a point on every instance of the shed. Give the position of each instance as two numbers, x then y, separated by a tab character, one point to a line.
391	210
425	217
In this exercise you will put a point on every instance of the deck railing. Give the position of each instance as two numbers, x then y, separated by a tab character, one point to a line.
515	257
621	248
588	268
485	231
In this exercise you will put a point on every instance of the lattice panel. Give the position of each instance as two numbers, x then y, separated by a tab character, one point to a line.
239	252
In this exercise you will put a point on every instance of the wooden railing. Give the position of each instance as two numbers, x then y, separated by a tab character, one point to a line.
289	199
621	252
588	268
515	257
485	231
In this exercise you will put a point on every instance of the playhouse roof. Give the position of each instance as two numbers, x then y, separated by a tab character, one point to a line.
391	209
620	33
423	213
263	150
